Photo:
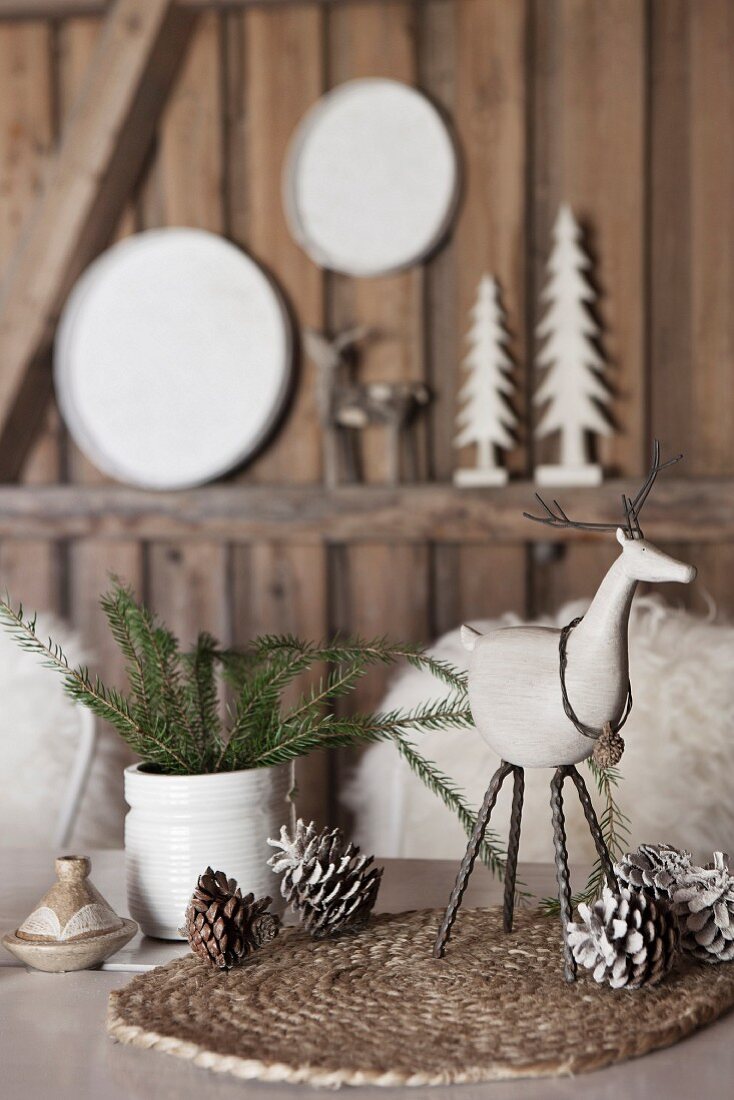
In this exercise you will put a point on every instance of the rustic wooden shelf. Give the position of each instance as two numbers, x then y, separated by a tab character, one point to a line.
66	9
697	510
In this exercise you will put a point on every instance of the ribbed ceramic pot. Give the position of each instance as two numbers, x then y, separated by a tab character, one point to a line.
178	825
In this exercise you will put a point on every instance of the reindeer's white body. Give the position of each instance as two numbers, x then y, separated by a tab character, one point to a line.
514	678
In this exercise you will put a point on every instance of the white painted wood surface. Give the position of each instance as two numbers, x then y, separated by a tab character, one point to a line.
173	359
53	1043
571	393
486	419
514	679
370	182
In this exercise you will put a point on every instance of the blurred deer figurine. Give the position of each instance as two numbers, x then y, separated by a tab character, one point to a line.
545	698
346	406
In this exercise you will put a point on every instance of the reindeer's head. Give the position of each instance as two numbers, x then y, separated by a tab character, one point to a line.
331	352
640	559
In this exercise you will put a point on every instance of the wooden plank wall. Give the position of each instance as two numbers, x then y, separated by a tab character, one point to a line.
622	108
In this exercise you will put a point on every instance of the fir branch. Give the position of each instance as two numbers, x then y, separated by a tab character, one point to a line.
155	649
255	713
491	850
376	650
200	691
256	738
237	665
615	829
343	731
164	670
172	719
338	683
117	606
106	703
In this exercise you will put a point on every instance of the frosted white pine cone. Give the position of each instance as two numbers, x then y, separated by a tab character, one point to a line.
653	868
704	902
325	881
627	938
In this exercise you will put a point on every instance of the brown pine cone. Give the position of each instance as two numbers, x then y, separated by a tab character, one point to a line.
608	748
222	926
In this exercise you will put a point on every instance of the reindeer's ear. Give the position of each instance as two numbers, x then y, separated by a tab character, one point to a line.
469	637
317	346
621	536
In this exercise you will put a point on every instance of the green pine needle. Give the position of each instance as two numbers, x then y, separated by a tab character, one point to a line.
171	714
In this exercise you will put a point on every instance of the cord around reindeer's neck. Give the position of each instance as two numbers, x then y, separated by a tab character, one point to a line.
609	611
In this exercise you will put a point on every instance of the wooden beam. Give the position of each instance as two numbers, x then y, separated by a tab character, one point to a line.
102	150
696	510
65	9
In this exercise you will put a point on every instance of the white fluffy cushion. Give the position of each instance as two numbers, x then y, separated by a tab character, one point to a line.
678	778
39	732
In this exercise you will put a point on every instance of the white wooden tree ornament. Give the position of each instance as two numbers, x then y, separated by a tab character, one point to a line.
572	389
486	418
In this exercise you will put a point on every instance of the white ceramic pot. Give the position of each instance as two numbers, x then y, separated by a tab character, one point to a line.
178	825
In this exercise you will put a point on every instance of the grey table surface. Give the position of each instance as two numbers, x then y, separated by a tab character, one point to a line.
52	1027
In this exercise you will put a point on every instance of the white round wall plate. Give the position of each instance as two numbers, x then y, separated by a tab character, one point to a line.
371	178
173	359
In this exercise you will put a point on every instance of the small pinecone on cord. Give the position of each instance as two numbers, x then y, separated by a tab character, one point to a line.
608	748
222	926
704	902
628	939
326	882
653	868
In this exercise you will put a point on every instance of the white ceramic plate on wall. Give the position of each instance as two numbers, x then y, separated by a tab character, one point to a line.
371	179
173	359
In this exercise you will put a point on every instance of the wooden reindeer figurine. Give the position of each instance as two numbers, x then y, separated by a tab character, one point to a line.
346	405
548	698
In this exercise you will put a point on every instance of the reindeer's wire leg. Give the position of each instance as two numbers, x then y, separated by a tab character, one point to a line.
562	874
411	451
351	456
332	449
467	863
512	849
594	828
393	452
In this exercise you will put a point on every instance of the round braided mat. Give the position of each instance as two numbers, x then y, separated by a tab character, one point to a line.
377	1008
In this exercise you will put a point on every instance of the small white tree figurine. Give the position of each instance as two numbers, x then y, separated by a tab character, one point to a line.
572	387
486	417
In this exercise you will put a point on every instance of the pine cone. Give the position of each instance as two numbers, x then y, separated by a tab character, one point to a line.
704	902
626	938
329	884
653	868
608	748
222	926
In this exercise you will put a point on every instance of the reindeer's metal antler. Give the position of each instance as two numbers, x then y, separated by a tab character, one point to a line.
656	467
353	335
326	351
632	507
560	519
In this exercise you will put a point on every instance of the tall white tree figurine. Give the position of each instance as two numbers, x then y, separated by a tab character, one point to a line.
572	389
486	418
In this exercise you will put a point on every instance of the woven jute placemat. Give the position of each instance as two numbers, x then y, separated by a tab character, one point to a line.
376	1008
